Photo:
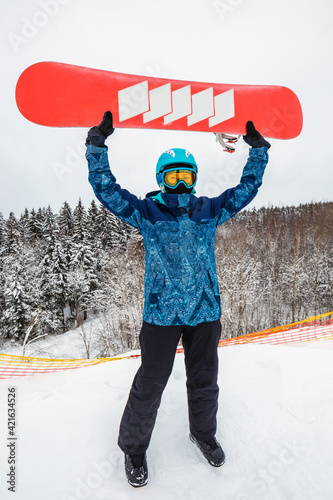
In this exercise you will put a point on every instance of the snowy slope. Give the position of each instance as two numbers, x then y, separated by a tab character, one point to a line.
62	346
275	424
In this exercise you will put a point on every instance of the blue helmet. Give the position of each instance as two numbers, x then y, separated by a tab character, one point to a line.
173	157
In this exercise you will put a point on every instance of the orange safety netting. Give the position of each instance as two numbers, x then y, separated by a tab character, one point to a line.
314	328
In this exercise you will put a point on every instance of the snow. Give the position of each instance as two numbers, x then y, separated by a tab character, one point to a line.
274	423
68	345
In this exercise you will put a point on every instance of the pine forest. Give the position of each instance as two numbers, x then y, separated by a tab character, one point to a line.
275	266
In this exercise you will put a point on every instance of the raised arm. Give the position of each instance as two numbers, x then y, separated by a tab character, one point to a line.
235	199
119	201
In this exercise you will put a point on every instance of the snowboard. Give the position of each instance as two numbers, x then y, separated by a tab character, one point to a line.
63	95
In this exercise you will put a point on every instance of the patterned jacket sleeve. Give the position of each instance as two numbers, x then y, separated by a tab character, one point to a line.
119	201
235	199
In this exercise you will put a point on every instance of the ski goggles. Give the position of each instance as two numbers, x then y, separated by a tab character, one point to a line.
172	178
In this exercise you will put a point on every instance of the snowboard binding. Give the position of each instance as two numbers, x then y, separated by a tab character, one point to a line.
227	141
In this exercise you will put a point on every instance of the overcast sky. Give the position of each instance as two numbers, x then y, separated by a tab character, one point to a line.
278	42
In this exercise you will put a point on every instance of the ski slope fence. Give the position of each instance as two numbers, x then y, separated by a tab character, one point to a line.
314	328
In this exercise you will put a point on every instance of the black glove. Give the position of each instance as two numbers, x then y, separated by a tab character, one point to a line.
97	135
254	138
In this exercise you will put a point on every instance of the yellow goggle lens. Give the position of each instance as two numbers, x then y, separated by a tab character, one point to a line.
172	177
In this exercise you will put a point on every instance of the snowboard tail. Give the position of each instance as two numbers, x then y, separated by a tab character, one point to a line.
62	95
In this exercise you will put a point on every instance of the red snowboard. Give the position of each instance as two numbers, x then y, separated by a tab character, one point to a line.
62	95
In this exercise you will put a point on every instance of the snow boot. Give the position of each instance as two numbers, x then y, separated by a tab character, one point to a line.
136	469
211	450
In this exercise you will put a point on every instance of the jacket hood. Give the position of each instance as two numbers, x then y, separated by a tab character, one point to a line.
176	203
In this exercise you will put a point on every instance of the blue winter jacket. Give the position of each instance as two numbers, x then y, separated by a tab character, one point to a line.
181	286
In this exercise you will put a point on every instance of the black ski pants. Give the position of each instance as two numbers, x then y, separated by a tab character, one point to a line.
158	348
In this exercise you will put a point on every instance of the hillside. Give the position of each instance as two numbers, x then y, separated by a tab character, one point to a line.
276	410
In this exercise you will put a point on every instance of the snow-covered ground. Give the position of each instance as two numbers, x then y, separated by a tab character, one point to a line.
275	424
69	345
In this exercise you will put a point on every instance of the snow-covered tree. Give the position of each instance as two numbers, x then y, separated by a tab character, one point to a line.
16	314
66	221
80	223
53	275
13	234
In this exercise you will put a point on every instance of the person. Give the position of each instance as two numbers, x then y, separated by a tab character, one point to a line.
181	292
